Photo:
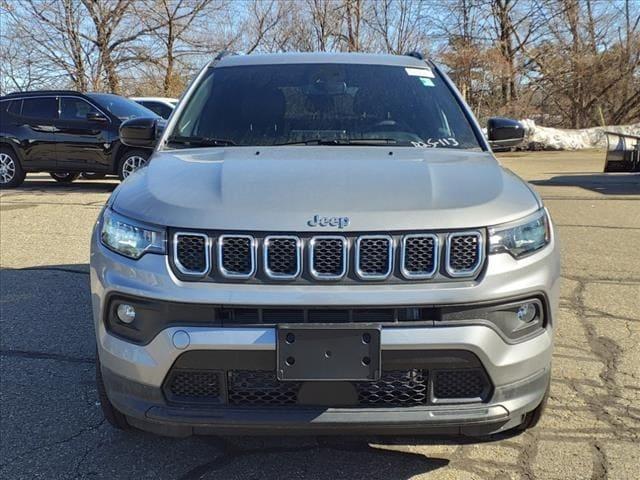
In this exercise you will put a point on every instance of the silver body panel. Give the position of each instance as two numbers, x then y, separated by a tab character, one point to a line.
283	187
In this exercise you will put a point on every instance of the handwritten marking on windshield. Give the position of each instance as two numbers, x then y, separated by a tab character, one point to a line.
436	142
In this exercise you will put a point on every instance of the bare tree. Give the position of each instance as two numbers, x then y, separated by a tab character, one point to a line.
401	25
170	22
563	62
264	17
462	53
52	30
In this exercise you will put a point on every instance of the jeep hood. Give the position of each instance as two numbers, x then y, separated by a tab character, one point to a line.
282	188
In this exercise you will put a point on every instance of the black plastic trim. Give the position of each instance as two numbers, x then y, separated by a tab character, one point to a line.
158	315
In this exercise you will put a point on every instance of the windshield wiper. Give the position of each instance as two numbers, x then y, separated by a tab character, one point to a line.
200	141
342	141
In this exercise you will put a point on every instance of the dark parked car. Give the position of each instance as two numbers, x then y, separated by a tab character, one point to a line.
66	133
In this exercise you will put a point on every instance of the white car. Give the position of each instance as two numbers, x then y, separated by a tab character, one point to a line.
162	106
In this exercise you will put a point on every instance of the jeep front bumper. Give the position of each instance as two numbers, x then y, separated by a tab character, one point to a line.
134	374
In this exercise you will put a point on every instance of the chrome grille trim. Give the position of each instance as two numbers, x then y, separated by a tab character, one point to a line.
374	276
457	273
252	254
414	275
207	253
345	257
265	257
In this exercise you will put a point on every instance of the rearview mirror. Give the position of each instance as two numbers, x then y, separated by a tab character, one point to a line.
96	117
140	132
504	132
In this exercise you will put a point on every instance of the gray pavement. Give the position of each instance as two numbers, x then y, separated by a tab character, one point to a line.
50	422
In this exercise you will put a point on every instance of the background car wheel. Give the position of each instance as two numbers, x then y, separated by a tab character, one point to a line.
64	177
132	161
11	173
93	175
111	415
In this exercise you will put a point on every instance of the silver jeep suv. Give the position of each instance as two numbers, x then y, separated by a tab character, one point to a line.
323	243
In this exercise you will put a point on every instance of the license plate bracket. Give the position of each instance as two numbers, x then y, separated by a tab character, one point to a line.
322	353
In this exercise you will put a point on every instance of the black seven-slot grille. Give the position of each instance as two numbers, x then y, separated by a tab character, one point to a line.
260	388
329	257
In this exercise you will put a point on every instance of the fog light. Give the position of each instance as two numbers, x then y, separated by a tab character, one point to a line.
526	312
126	313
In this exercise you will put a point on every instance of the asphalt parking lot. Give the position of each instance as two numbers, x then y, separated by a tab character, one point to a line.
51	425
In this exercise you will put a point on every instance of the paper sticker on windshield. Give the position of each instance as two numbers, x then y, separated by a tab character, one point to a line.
437	142
427	82
419	72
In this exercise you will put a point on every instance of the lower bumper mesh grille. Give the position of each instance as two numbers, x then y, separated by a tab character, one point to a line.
453	384
193	386
260	388
396	388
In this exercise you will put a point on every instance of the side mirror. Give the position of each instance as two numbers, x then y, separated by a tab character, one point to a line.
140	132
96	117
504	132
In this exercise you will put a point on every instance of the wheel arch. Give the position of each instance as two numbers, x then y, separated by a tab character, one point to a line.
121	151
6	143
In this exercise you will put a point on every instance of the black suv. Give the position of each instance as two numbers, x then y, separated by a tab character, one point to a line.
66	133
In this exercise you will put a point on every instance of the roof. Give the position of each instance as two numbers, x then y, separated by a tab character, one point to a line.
35	93
155	99
322	57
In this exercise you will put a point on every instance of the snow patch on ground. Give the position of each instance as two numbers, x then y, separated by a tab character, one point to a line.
546	138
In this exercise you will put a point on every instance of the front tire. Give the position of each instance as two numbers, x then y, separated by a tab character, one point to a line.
132	161
11	172
64	177
116	419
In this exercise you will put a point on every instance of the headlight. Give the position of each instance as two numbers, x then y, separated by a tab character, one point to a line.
522	237
130	238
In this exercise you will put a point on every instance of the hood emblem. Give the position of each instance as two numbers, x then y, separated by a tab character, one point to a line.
320	221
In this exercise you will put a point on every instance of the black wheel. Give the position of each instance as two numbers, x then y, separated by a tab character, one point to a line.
532	418
132	161
93	175
64	177
111	415
11	173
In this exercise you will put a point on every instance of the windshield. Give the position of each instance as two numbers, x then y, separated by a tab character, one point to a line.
263	105
121	107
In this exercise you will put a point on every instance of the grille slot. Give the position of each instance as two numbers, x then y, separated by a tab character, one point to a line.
282	257
467	384
396	388
199	386
374	257
464	254
191	253
236	256
419	256
260	388
328	257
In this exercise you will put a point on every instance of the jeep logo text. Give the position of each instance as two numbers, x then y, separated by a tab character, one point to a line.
320	221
